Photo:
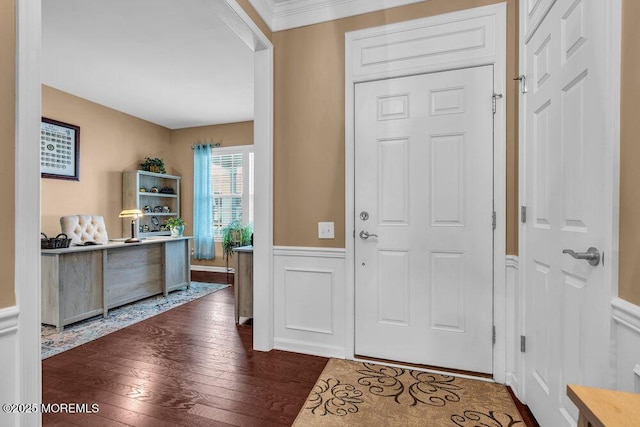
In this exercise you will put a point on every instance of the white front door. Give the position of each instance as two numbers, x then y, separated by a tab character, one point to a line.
424	193
564	143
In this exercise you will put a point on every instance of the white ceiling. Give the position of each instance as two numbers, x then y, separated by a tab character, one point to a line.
173	63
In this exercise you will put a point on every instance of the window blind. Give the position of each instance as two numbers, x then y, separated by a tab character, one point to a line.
232	173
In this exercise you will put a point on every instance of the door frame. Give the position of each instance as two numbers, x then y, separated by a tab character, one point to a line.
27	183
612	183
397	50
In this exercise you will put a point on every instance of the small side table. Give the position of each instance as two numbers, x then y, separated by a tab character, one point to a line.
243	282
605	408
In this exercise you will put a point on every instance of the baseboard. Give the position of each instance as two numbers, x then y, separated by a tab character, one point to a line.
309	348
210	268
9	363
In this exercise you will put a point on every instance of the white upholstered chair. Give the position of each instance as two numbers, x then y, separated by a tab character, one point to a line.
84	228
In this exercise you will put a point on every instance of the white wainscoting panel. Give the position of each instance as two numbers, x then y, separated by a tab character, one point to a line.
309	295
9	392
514	327
625	345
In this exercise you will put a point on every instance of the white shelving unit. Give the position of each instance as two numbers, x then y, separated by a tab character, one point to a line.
137	194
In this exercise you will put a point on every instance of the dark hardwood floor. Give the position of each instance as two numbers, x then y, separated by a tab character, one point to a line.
190	366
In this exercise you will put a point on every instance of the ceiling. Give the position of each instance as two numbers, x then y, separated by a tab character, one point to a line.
173	63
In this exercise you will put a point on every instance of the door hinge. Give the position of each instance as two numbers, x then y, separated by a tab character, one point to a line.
495	98
523	214
523	343
493	334
493	219
523	83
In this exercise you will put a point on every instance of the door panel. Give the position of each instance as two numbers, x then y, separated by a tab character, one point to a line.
424	174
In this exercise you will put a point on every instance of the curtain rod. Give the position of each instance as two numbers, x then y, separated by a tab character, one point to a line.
210	144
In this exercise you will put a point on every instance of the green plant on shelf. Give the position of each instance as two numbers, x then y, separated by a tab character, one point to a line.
174	222
235	234
153	164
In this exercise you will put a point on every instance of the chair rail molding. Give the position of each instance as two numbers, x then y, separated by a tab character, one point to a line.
10	390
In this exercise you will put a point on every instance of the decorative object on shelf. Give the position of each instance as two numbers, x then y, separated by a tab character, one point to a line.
145	228
153	164
154	189
157	209
134	214
166	209
156	223
176	226
235	234
143	190
167	190
146	209
59	150
58	242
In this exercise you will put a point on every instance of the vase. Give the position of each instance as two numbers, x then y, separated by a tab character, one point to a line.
177	231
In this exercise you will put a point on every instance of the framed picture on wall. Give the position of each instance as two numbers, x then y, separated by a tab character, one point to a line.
59	150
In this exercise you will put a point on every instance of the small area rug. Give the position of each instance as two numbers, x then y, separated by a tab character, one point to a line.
350	393
82	332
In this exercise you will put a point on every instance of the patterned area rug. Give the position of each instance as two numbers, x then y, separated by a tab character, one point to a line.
352	393
118	318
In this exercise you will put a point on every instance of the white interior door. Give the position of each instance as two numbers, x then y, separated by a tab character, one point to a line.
566	199
424	193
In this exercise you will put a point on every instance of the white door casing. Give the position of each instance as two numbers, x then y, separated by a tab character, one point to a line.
408	55
566	170
424	169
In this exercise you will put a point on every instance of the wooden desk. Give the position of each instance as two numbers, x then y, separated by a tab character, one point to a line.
243	282
83	281
605	408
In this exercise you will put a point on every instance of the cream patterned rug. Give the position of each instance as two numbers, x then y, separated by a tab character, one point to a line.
82	332
352	393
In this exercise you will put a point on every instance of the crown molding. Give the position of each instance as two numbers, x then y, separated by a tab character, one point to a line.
287	14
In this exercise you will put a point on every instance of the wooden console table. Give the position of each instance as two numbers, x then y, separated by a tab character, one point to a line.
84	281
243	282
605	408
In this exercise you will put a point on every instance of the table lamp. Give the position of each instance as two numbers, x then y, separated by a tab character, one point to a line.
134	214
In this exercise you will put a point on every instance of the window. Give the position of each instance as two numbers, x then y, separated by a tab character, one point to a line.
232	176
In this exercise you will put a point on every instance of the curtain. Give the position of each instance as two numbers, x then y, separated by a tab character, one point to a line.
202	203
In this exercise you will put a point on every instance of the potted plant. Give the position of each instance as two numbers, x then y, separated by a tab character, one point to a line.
153	164
176	226
233	235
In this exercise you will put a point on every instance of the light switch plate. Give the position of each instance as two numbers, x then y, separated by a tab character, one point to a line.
325	230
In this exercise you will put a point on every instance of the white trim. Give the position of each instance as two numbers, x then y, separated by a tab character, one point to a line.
298	13
512	261
301	251
497	18
211	268
626	314
9	320
263	201
240	23
306	347
27	207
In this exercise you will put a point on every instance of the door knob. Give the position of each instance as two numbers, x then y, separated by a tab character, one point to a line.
364	235
592	255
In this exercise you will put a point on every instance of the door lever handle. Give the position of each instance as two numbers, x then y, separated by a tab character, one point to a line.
364	235
592	255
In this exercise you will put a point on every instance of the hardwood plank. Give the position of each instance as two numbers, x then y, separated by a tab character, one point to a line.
189	366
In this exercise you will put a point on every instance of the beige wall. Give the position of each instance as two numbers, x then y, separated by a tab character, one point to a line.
227	135
629	274
7	146
110	142
309	121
